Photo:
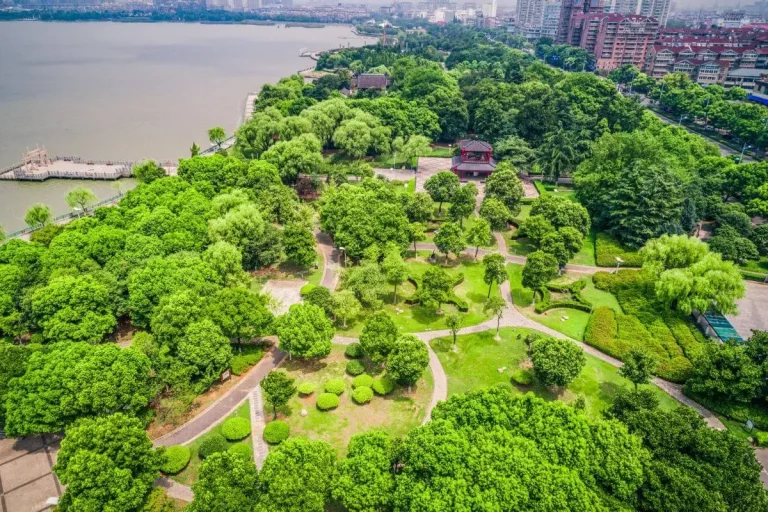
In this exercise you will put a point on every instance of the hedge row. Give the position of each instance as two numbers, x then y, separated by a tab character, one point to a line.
575	302
608	248
176	459
758	413
250	355
457	301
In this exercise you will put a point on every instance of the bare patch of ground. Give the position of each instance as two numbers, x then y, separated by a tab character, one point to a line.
284	294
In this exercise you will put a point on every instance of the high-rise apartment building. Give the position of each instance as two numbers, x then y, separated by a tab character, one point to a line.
614	39
489	9
658	9
538	18
573	8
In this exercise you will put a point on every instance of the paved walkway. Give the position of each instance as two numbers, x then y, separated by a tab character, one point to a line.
26	479
220	409
260	447
330	254
175	490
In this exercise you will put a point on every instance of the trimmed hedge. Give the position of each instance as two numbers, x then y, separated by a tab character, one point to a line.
235	429
363	380
244	360
362	395
306	289
306	388
241	449
212	443
354	351
176	459
762	439
275	432
522	377
355	367
461	304
335	386
575	302
383	385
327	401
607	248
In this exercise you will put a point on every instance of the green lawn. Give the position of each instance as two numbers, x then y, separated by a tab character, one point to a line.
570	322
418	318
189	475
525	212
479	357
758	266
586	256
396	414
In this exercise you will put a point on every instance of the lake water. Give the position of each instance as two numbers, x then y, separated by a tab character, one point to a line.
125	91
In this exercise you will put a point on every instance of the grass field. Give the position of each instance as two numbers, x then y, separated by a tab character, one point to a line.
417	318
396	413
189	475
479	357
586	256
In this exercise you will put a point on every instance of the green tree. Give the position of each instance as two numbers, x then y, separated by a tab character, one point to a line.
227	261
38	215
732	246
278	389
107	463
453	322
539	268
725	372
76	380
243	227
13	363
367	282
378	336
419	207
639	367
495	270
504	185
496	213
173	316
441	187
148	171
204	349
299	244
300	155
297	475
553	244
515	150
345	306
450	239
415	234
365	480
496	306
463	203
536	227
80	197
561	212
395	270
556	361
408	360
479	234
305	331
217	135
194	150
240	314
436	286
226	482
675	263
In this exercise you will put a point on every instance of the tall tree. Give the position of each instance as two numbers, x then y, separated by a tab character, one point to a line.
278	389
148	171
299	244
226	482
436	285
80	197
505	186
305	331
395	270
240	314
345	306
495	270
495	306
639	367
479	234
205	350
38	215
408	360
441	187
365	479
217	135
107	463
453	322
450	239
496	213
463	203
539	268
556	361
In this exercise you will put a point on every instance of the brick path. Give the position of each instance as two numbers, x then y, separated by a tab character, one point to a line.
26	479
260	448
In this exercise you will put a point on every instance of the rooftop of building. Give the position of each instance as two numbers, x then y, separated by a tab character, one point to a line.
371	81
475	145
747	72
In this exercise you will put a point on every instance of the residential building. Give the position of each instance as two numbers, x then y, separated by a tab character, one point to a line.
489	9
614	39
572	8
658	9
538	18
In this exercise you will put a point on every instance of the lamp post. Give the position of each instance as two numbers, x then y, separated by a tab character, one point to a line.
682	117
619	261
741	158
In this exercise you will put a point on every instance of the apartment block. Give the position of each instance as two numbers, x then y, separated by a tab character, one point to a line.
614	39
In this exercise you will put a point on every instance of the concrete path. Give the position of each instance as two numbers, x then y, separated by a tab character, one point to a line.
331	268
285	294
260	447
753	310
762	458
220	409
175	490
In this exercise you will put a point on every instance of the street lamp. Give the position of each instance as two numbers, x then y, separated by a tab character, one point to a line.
682	117
741	158
619	261
77	211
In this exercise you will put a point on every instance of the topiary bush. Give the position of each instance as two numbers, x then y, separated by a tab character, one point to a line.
362	395
335	386
235	429
176	459
354	351
306	388
762	438
355	367
212	443
383	385
327	401
522	377
276	432
242	449
363	380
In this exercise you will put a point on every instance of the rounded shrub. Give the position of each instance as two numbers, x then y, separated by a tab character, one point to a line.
355	367
354	351
235	429
242	449
362	395
522	377
306	388
335	386
212	443
176	459
327	401
276	432
363	380
383	385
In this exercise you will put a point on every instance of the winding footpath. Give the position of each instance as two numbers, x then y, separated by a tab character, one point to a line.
248	388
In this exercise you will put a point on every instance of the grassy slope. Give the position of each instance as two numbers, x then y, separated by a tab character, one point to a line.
479	358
